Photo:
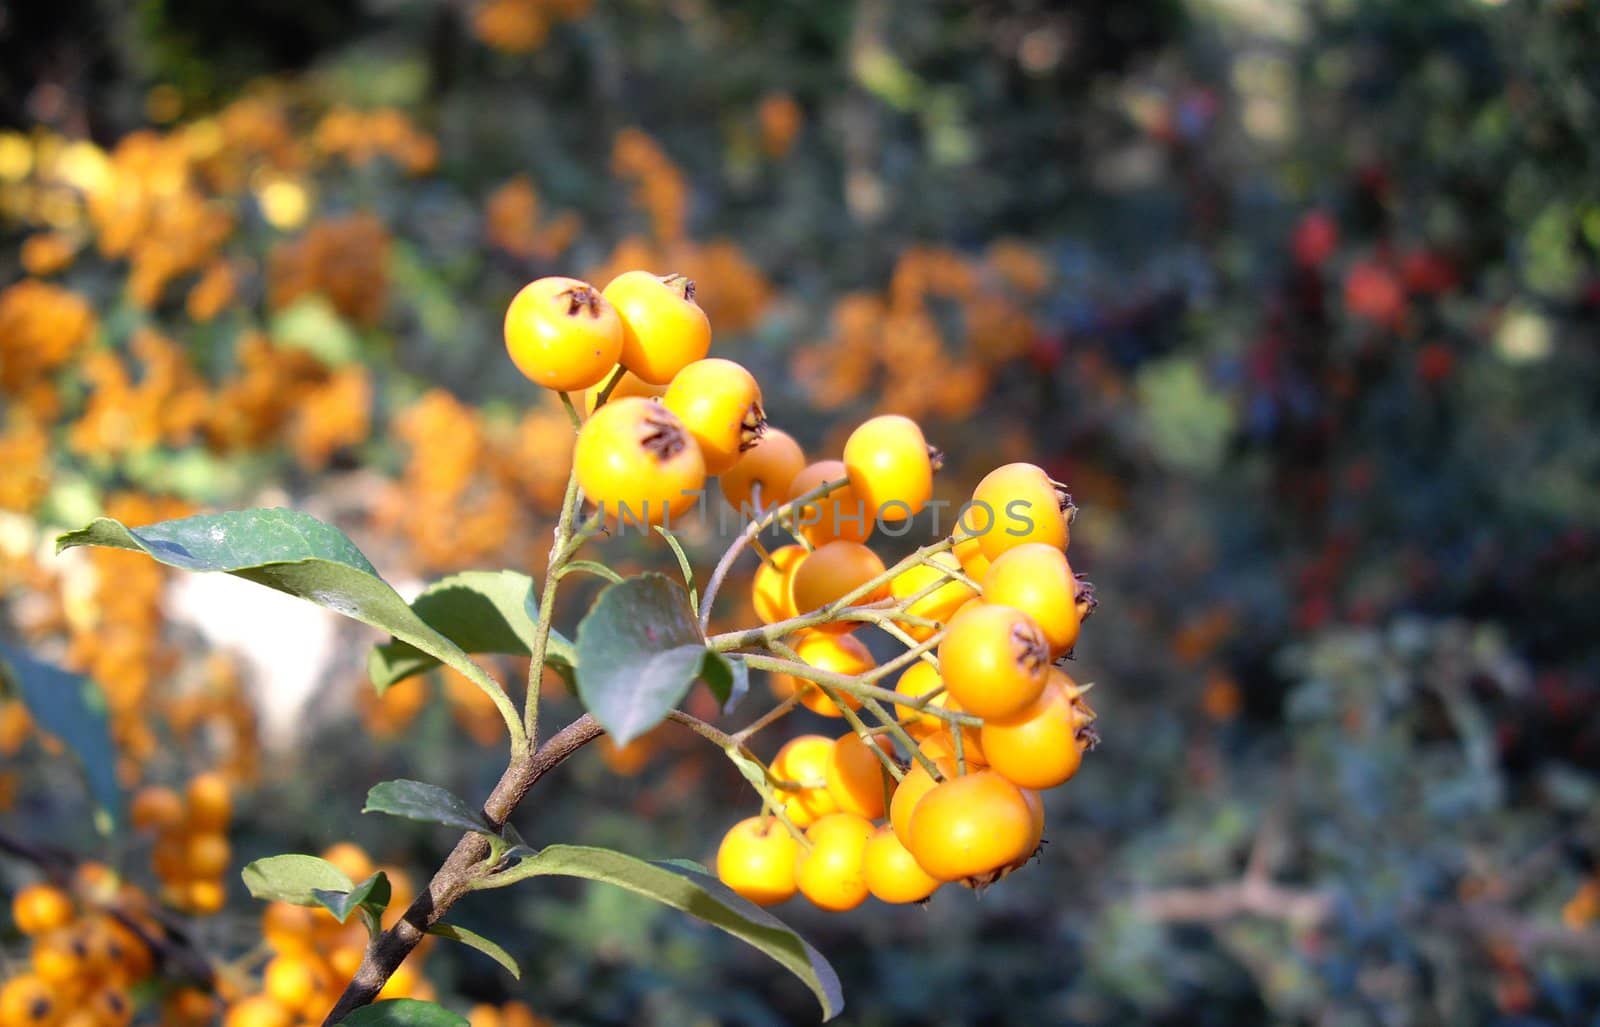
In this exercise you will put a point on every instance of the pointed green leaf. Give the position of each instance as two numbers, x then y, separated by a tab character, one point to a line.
674	883
294	878
291	552
472	939
373	894
481	612
418	800
73	709
639	650
727	677
404	1012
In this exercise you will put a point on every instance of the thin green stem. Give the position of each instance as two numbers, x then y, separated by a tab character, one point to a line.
560	552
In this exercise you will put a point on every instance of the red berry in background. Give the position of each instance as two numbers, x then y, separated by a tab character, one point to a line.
1427	273
1315	239
1435	362
1372	292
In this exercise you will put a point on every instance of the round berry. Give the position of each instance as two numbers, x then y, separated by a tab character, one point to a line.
663	329
635	459
719	402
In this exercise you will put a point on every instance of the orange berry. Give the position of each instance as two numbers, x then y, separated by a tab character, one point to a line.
719	402
257	1011
970	827
41	908
891	871
994	660
760	479
156	808
890	467
1038	746
841	514
209	803
562	334
856	777
917	783
757	858
916	682
1037	580
297	982
1017	504
287	928
351	859
770	591
831	572
838	654
804	761
27	1001
663	329
637	461
832	874
207	855
205	898
938	605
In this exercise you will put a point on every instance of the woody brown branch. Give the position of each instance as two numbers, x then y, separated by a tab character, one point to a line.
465	864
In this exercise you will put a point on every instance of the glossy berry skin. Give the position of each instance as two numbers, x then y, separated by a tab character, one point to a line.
890	467
720	403
562	334
970	827
770	588
994	660
841	514
41	908
840	654
916	783
1037	580
1026	508
804	761
940	604
833	874
918	680
833	571
760	480
757	859
1038	746
27	1001
297	981
892	872
856	777
663	329
635	459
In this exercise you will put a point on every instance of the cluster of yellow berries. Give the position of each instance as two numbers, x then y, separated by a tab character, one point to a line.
313	955
84	958
979	817
191	852
985	617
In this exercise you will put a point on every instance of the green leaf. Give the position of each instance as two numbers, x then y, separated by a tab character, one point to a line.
676	884
404	1012
295	553
639	650
472	939
481	612
295	879
72	708
418	800
373	894
728	678
683	566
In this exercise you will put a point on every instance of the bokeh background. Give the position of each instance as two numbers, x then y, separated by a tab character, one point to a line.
1302	298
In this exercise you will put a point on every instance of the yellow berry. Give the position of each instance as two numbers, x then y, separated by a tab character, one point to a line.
638	463
757	858
719	402
663	329
562	334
